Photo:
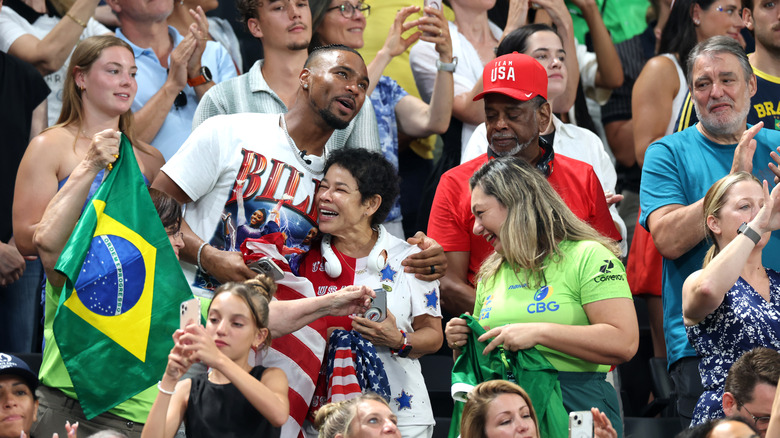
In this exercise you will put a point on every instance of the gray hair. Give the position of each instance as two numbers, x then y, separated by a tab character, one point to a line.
716	45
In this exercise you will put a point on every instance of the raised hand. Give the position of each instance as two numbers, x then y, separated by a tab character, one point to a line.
743	154
103	150
200	32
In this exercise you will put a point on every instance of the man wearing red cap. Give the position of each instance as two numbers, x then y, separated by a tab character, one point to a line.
516	112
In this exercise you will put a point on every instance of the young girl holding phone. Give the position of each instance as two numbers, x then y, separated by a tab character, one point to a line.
233	399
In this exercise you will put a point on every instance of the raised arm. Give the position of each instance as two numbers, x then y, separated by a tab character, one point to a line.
64	210
149	119
395	44
415	117
36	185
704	290
652	101
609	73
288	316
50	53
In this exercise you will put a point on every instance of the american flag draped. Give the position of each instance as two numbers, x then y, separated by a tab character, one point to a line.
352	367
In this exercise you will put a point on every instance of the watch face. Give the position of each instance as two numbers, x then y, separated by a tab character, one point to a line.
206	73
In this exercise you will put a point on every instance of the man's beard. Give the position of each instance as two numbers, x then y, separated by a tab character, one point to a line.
733	126
332	120
298	45
519	147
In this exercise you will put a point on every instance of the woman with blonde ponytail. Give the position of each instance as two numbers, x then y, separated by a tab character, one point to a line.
234	399
732	305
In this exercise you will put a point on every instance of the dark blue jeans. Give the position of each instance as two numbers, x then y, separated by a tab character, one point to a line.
20	321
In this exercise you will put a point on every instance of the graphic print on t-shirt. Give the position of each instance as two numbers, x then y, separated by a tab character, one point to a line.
268	197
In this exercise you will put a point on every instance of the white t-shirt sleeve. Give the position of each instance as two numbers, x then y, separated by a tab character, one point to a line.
477	145
12	26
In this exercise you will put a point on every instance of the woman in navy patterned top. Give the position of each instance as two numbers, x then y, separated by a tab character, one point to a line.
732	305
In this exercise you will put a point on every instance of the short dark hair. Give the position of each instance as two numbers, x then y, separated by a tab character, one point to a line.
374	175
247	9
321	50
703	430
759	365
168	209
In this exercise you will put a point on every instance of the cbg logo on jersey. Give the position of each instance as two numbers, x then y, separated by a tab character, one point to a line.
542	302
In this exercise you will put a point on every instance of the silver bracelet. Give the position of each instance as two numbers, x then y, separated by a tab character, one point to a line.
159	386
200	250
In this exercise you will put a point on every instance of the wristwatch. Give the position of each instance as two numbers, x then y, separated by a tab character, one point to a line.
447	66
749	232
204	78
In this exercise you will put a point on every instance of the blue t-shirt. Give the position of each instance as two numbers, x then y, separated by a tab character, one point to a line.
152	75
679	169
385	97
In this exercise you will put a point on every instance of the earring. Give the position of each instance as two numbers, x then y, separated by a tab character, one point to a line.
83	89
305	86
696	22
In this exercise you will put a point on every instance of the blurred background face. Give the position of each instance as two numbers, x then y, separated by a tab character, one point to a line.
18	409
547	48
508	416
374	419
343	26
722	17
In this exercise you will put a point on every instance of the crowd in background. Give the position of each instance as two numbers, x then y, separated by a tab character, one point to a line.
522	186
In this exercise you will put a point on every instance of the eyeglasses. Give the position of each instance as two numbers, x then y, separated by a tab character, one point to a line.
348	11
762	423
729	10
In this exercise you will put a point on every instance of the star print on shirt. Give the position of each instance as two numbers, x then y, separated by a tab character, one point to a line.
404	400
432	299
388	274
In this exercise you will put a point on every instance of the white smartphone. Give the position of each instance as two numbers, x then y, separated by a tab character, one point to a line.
581	424
189	312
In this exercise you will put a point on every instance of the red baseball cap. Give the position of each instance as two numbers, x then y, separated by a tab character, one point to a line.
515	75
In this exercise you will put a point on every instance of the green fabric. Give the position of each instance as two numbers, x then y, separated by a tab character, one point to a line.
623	18
582	391
54	374
113	328
587	272
527	368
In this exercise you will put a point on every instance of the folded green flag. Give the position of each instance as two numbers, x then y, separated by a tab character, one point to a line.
121	298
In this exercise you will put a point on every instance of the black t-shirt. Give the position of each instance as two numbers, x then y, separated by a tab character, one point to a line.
22	89
222	411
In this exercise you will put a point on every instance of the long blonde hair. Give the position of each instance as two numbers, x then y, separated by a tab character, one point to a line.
714	200
82	59
472	424
537	219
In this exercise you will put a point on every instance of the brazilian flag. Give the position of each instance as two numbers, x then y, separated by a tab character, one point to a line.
120	303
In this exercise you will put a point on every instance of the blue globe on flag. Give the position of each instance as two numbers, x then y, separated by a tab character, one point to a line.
112	278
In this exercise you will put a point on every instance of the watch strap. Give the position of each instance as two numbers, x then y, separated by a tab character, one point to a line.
204	78
447	66
749	232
